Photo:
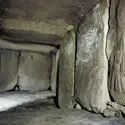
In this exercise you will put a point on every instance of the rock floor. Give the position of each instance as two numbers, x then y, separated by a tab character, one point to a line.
49	115
42	111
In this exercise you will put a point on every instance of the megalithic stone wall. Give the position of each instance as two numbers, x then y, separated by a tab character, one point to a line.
112	33
34	71
112	37
117	70
92	65
8	69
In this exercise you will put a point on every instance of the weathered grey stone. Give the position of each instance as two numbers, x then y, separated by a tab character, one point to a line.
92	66
109	113
41	21
8	69
115	55
54	73
114	109
78	106
28	47
112	37
34	71
42	31
112	33
66	71
117	74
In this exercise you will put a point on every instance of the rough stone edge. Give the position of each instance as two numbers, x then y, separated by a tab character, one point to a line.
29	47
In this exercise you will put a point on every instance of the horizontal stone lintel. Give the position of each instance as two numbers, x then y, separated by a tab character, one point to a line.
4	44
40	27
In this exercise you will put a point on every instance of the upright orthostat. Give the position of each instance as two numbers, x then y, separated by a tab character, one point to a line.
92	64
66	71
117	63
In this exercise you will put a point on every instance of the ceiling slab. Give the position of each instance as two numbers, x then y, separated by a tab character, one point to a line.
46	17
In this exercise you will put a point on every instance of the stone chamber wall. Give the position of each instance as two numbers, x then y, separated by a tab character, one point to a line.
28	69
89	45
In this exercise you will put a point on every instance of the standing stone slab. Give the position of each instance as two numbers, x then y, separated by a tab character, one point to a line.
112	37
55	61
8	69
117	74
66	71
92	66
34	71
112	33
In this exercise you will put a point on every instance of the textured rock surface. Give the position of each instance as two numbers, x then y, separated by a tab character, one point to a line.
117	75
54	73
112	38
114	109
92	65
4	44
41	21
66	71
34	71
8	69
112	33
56	117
